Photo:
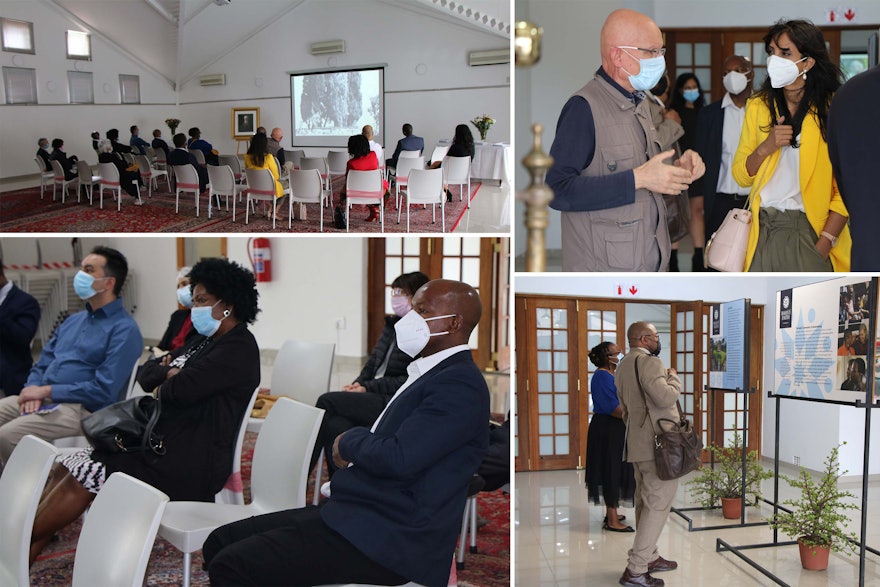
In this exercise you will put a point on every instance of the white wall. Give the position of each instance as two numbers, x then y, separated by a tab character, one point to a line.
448	93
808	429
571	55
315	281
53	117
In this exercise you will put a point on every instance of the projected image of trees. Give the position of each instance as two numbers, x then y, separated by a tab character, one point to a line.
330	103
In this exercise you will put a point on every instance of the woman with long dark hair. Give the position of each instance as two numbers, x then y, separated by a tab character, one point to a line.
610	480
258	157
798	216
462	146
687	101
362	158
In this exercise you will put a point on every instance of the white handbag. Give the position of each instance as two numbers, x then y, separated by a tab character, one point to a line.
726	250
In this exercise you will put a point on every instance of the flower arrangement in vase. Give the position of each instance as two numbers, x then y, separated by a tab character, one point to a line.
483	124
172	123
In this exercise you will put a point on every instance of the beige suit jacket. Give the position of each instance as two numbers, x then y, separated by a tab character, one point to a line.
661	390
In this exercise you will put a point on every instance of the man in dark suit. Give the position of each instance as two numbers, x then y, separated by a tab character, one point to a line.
395	506
43	153
409	142
159	142
19	316
181	156
718	128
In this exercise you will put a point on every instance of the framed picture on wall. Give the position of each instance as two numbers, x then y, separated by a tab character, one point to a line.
245	122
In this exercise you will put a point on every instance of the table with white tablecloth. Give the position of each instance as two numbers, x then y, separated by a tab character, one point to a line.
491	160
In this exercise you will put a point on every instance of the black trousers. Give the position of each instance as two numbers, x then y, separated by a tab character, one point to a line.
723	203
343	410
292	548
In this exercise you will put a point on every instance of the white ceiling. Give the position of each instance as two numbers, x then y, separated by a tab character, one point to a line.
154	31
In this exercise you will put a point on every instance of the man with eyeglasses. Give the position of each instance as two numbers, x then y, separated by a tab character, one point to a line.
718	128
647	391
609	174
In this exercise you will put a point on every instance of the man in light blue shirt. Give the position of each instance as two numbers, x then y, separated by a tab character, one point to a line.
137	142
86	364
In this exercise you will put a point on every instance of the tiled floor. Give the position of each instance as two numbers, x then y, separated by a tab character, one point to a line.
559	541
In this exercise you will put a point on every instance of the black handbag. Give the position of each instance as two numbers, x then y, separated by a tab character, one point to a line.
125	426
677	447
678	215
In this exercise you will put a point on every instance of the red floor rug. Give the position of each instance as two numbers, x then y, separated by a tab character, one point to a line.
489	567
24	211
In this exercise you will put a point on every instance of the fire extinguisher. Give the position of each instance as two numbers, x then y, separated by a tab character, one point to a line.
261	258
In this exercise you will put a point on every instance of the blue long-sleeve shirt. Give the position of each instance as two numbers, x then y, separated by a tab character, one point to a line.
573	148
89	359
139	144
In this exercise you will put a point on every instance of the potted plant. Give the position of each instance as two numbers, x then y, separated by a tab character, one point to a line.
723	482
817	518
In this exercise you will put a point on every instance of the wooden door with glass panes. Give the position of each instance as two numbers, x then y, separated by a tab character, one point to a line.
690	361
547	391
598	322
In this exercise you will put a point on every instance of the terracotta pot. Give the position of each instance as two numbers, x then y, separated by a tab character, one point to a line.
814	558
731	508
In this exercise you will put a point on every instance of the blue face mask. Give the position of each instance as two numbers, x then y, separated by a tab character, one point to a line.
650	72
82	285
185	297
204	323
691	95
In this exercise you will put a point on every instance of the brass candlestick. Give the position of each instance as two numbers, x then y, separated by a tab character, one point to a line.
537	198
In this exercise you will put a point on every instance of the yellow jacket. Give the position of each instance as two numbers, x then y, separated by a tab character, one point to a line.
268	163
818	187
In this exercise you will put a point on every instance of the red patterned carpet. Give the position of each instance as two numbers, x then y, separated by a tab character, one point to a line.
489	567
24	211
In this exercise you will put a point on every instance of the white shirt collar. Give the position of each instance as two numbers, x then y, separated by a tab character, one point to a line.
728	101
4	291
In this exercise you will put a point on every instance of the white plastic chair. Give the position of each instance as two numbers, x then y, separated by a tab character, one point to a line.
118	533
425	186
20	488
306	187
408	155
233	491
301	371
278	481
45	176
318	163
58	175
364	187
403	168
457	170
199	155
110	180
439	153
222	183
86	179
337	161
161	161
234	163
150	175
186	179
261	186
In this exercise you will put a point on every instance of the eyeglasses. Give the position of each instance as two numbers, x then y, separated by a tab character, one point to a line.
653	52
654	336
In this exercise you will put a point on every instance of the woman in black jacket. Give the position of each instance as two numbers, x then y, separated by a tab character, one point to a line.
203	388
128	174
382	375
68	163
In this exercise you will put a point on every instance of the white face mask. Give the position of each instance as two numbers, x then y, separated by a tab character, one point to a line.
735	82
783	72
413	333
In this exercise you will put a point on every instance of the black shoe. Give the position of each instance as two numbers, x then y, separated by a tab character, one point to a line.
448	196
339	218
624	529
643	580
661	564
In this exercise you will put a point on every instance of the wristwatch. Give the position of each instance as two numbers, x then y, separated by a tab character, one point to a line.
830	237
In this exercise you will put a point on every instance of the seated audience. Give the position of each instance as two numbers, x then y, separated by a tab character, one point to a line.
181	156
68	162
409	142
43	153
258	157
129	175
362	159
275	144
367	131
197	142
180	329
204	389
19	317
113	136
361	402
394	511
96	136
86	364
159	142
137	143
